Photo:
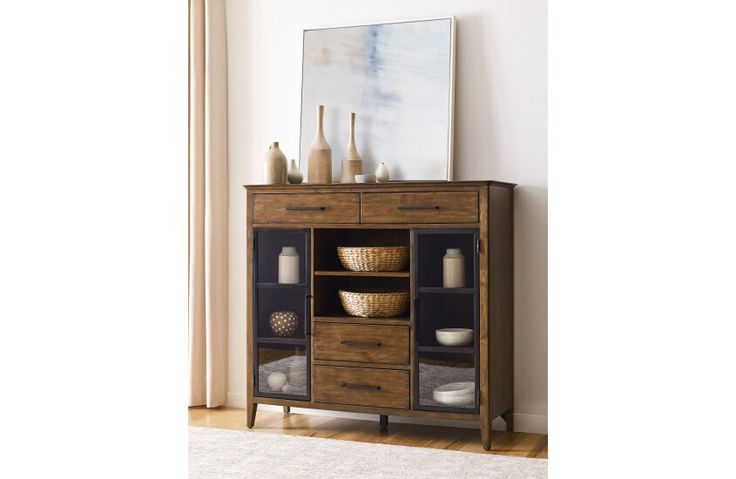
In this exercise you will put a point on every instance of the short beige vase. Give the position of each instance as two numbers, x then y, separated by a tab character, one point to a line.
319	164
352	163
275	165
382	174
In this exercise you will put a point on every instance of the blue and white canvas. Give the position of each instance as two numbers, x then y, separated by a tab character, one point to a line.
397	78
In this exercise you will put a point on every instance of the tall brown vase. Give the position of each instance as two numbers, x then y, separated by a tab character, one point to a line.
352	163
319	165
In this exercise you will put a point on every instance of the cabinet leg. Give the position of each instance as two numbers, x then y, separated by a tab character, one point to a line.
251	414
508	416
485	435
287	409
383	422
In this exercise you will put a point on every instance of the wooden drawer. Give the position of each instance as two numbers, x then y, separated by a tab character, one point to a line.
434	207
361	343
362	386
306	208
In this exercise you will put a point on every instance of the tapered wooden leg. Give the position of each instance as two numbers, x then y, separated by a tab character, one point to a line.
508	416
287	409
485	435
251	414
383	423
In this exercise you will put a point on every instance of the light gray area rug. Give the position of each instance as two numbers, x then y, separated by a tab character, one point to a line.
222	453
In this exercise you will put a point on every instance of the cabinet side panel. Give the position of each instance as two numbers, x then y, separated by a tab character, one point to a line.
502	299
249	299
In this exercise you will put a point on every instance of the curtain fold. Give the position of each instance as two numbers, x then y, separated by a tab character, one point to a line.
208	204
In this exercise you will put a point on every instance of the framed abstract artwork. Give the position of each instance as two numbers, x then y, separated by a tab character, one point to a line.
398	78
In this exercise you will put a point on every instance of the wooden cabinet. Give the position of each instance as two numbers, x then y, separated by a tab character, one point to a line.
304	350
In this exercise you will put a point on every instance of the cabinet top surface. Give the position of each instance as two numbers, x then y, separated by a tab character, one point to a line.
365	187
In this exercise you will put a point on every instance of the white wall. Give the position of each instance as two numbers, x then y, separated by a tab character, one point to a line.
500	134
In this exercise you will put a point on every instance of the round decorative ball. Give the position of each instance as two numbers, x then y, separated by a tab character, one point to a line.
276	381
283	323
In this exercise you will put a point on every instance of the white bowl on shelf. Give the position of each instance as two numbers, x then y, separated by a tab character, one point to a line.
454	336
455	394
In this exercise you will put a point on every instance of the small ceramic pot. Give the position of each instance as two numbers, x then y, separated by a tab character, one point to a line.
283	323
382	175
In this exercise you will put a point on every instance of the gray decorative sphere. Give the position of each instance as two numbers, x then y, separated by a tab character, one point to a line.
283	323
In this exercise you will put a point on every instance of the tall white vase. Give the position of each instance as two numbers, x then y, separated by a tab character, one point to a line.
288	265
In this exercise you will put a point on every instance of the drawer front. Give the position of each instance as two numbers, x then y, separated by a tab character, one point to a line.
436	207
361	343
305	208
362	386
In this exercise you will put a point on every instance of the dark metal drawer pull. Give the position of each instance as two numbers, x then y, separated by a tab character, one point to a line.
360	344
361	387
304	208
419	207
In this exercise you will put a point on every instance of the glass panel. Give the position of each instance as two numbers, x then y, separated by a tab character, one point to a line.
441	311
281	311
282	370
431	251
270	244
447	381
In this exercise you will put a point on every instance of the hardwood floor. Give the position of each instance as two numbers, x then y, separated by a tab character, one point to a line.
453	438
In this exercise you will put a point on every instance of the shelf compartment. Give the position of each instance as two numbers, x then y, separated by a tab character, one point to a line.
287	300
269	243
435	311
326	241
431	246
434	369
327	302
282	371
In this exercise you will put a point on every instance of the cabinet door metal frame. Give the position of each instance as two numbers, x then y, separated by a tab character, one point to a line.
476	314
254	334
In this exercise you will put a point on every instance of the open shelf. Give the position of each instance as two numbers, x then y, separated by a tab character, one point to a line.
365	274
281	340
447	349
327	240
326	299
281	285
442	290
359	320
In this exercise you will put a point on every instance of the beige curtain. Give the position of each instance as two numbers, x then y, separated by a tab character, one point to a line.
208	187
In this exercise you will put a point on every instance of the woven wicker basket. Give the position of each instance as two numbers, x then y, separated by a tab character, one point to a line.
374	303
374	258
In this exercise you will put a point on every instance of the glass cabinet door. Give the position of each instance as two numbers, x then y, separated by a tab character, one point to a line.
446	312
281	312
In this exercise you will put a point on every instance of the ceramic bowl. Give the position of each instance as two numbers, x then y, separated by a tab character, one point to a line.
365	178
455	394
454	336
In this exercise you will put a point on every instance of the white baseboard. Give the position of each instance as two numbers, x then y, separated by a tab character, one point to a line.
532	423
236	400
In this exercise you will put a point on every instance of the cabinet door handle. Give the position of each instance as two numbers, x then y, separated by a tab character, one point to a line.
304	208
360	344
419	207
361	387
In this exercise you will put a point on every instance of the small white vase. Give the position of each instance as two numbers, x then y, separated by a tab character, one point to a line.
453	269
294	175
382	175
288	265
